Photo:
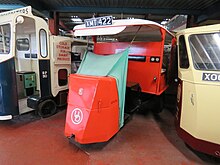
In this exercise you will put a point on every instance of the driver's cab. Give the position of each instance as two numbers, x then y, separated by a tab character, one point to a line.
26	54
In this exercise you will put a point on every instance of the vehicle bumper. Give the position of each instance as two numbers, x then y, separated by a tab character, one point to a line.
6	117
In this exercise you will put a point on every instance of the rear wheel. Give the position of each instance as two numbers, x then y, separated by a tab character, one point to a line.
47	108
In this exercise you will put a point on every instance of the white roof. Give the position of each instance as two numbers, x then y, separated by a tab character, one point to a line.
9	16
200	29
116	27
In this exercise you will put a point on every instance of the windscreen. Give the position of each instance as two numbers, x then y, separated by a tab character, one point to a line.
205	50
5	34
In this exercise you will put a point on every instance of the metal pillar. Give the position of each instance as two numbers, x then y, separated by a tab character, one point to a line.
54	23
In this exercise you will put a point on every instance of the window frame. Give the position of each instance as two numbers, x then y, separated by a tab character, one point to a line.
193	57
28	44
10	37
46	51
184	47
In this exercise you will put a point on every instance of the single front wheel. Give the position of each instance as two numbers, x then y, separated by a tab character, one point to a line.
47	108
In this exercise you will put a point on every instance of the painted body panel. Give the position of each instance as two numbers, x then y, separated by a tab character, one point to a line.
139	71
8	90
60	48
199	111
92	116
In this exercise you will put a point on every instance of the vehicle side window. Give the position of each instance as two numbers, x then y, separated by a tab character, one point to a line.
205	51
5	38
167	55
43	43
183	56
22	44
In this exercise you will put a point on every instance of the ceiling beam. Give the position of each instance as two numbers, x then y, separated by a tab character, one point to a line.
40	6
10	6
22	3
126	10
211	12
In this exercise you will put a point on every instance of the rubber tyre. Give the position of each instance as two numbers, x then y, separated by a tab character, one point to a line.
47	108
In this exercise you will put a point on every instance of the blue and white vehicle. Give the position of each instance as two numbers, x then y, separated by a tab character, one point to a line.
34	65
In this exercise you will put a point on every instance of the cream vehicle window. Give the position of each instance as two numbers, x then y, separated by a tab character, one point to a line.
5	34
43	43
22	44
205	50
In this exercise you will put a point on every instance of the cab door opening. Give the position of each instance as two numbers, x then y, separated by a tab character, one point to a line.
26	62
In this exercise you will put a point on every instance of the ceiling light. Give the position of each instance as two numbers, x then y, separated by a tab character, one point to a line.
76	20
163	22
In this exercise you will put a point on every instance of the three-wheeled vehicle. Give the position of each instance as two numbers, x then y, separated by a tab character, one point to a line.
149	48
197	118
34	65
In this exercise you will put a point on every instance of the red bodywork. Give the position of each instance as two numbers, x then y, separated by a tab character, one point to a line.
92	115
93	110
147	74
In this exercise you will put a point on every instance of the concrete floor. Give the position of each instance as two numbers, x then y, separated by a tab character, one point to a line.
144	140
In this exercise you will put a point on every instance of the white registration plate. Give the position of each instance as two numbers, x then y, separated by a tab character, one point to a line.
99	21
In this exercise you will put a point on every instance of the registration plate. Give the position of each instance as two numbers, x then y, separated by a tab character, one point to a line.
99	21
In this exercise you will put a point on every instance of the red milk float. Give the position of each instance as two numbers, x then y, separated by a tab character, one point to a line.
96	101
